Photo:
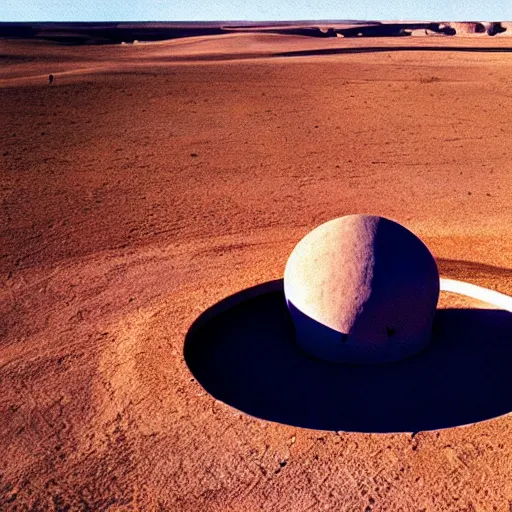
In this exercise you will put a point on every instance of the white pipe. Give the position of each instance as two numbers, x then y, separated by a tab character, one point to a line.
497	299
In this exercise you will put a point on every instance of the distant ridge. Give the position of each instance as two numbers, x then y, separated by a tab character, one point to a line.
119	32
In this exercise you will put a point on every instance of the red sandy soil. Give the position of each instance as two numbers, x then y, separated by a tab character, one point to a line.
151	181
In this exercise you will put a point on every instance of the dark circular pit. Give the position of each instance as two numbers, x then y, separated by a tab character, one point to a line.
243	352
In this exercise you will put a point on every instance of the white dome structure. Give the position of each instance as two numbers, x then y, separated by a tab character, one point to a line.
361	289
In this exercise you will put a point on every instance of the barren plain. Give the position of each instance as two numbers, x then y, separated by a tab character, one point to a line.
151	181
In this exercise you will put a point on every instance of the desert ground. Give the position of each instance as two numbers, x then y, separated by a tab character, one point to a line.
151	181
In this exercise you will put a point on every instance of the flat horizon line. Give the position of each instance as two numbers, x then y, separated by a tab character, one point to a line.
357	21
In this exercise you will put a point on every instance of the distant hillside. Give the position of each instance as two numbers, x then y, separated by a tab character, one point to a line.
115	33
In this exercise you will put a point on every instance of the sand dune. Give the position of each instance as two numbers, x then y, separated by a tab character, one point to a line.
31	62
150	182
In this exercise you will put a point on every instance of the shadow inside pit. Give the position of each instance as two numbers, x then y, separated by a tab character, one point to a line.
243	352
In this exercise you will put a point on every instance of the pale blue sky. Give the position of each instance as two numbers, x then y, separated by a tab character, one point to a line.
257	10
